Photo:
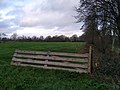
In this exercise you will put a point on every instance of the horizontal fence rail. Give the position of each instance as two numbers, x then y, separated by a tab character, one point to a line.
51	53
52	60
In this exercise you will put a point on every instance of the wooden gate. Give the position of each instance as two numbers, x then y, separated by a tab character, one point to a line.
53	60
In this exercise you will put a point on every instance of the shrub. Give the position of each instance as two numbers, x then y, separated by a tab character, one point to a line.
107	67
110	64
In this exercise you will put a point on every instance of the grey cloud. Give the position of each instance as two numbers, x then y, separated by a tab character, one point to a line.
59	5
48	14
4	24
64	16
12	10
9	3
15	12
8	25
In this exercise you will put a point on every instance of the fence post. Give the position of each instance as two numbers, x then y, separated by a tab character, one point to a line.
48	54
90	60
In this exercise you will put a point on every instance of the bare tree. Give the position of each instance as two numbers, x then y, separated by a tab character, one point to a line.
14	36
100	17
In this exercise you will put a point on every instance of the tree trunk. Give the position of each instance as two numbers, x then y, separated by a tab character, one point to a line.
118	28
118	32
113	43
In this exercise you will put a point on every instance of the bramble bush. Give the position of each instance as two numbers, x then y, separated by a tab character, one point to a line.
106	67
110	63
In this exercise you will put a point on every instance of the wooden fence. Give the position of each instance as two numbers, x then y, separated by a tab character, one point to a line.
53	60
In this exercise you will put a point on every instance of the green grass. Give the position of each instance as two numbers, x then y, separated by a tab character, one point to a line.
27	78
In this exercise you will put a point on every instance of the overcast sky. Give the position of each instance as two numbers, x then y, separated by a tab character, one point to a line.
39	17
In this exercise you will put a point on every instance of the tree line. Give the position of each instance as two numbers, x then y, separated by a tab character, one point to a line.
56	38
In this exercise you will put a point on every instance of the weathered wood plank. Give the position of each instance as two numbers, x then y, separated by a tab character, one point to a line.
52	53
48	60
57	68
51	58
51	63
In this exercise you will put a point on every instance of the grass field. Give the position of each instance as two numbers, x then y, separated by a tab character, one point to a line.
27	78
